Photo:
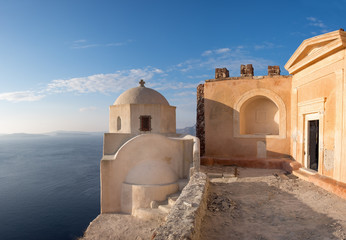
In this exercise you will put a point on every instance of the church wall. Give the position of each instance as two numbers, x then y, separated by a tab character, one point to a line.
220	98
162	118
319	89
113	141
140	149
168	122
123	112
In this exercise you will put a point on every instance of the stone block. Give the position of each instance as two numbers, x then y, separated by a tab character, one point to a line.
221	73
246	70
273	70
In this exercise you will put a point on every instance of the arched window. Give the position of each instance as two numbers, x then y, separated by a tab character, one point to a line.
259	116
118	123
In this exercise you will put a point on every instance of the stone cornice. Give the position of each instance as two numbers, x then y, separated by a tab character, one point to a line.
314	49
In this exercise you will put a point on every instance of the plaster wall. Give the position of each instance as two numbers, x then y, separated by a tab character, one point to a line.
168	120
319	88
122	111
259	115
176	153
159	122
221	96
113	141
162	118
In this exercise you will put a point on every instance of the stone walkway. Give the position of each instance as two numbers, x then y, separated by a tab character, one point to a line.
268	204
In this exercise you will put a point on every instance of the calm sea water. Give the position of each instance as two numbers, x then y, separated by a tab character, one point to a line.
49	185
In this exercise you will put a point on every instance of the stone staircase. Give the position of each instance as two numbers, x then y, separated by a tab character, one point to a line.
160	210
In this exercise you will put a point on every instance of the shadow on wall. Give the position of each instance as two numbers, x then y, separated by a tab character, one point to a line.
268	212
251	133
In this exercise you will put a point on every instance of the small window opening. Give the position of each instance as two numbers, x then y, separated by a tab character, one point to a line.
118	123
145	123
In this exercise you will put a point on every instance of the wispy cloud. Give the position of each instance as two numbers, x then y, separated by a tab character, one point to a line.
98	83
313	21
21	96
267	45
186	93
222	50
216	51
223	57
88	109
83	43
168	80
103	83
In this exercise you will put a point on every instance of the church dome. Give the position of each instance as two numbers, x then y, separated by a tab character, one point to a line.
141	95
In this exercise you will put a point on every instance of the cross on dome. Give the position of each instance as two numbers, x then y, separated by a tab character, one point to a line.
141	83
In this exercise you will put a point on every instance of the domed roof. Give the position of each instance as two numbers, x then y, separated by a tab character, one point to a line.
141	95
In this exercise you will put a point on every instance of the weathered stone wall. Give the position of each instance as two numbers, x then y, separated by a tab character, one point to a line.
184	220
200	123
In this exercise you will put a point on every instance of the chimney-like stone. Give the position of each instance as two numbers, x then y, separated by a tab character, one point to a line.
246	70
273	70
221	73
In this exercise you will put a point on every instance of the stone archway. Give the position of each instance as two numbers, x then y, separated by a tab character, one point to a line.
256	104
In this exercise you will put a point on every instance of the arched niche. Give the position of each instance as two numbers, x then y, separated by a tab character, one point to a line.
259	113
259	116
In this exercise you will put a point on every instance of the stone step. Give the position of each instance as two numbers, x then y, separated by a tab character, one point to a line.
172	199
150	214
165	208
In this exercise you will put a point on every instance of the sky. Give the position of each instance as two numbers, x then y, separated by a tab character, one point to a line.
64	62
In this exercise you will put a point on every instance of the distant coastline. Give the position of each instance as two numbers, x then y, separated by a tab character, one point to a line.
186	130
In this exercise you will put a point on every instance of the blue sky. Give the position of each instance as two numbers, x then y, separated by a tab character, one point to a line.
62	63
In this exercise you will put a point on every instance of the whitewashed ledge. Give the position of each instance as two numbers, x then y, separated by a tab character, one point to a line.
184	219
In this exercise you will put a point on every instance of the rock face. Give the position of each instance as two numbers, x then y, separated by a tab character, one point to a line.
246	70
200	123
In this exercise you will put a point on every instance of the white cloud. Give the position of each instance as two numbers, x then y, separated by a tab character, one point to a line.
88	109
267	45
82	43
163	85
206	53
224	57
222	50
21	96
85	46
103	83
186	93
317	23
216	51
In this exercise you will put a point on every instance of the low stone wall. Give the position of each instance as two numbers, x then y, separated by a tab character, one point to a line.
184	220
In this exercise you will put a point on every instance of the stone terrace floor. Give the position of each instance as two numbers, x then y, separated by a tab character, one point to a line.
246	203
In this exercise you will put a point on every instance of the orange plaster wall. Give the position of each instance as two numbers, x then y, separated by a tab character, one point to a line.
220	98
320	80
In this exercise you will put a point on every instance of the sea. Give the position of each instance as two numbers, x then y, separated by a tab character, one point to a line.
49	185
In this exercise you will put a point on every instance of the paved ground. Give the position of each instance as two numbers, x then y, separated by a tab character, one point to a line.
267	204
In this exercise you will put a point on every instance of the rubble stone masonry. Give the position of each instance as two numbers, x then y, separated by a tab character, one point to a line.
200	123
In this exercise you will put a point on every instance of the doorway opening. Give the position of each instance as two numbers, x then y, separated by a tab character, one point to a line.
313	130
